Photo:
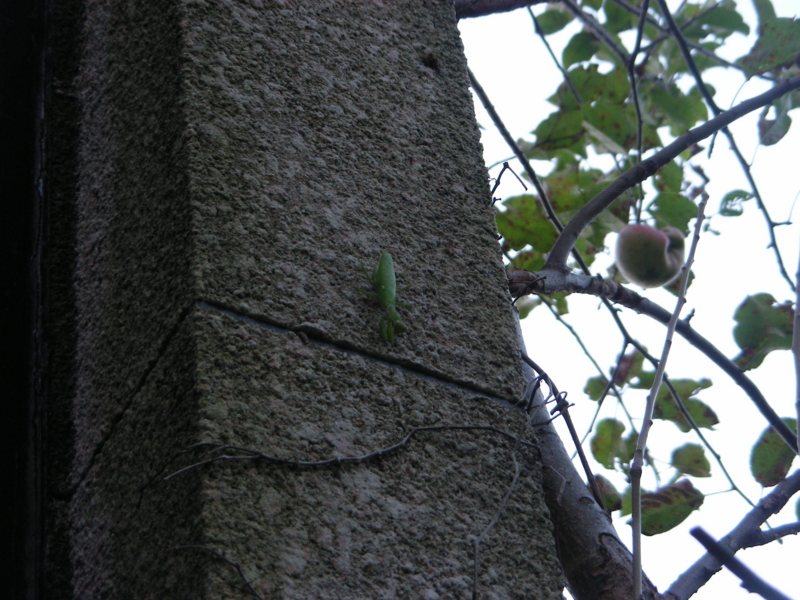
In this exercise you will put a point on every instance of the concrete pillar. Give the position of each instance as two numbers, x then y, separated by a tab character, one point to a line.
219	172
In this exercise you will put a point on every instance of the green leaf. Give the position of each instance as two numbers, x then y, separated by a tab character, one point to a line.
669	178
617	18
669	506
771	131
721	21
611	497
614	122
626	502
526	305
672	209
731	205
528	260
725	20
630	449
776	47
559	300
582	46
607	442
553	20
764	10
560	130
595	386
761	327
524	223
595	4
666	408
681	111
771	458
630	366
690	459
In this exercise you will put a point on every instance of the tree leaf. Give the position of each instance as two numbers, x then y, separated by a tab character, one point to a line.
675	210
680	111
582	46
669	506
524	223
527	304
560	130
775	48
764	10
617	18
630	366
690	459
553	20
611	497
669	178
771	131
720	21
731	205
666	409
771	458
607	442
614	122
595	386
761	327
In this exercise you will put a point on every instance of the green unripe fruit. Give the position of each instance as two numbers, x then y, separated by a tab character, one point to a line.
649	257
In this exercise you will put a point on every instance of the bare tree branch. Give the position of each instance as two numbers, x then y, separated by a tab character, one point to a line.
597	565
647	421
700	572
480	8
796	352
750	581
761	537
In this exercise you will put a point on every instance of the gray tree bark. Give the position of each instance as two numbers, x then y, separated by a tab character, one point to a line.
217	172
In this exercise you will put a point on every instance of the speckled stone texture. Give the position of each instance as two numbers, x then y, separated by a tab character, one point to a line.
237	162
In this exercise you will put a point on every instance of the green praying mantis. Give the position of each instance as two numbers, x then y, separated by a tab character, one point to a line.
384	286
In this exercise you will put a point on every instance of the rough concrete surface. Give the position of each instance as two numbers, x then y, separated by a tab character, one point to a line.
237	162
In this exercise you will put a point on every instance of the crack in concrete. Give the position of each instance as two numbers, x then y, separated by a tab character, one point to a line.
314	336
318	338
162	348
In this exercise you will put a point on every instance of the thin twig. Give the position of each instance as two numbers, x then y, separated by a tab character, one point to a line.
597	30
638	457
526	165
250	454
562	407
796	352
760	538
563	71
701	86
750	581
631	66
